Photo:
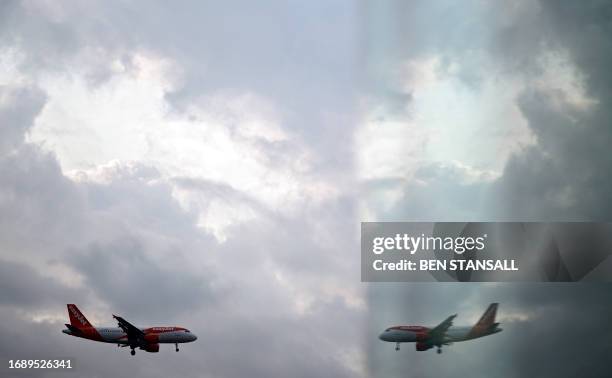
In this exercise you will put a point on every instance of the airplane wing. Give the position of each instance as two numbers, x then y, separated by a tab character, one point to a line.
134	334
439	332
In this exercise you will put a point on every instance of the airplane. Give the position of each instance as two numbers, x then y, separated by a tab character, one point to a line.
442	334
126	334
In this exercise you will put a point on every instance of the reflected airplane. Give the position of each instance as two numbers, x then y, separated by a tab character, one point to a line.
126	334
442	334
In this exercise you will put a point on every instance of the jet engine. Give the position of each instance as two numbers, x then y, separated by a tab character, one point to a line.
152	338
421	336
152	348
421	346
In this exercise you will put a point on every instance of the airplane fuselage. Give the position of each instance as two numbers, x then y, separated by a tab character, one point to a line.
411	334
115	335
444	333
126	334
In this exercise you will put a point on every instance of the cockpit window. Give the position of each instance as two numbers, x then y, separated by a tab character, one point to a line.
388	329
187	331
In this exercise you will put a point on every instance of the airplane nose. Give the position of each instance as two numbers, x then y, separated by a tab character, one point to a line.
383	336
193	337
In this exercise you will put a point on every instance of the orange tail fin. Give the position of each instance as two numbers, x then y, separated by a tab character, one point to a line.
486	325
488	318
77	319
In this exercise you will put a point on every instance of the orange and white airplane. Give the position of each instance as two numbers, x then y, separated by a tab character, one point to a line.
444	333
126	334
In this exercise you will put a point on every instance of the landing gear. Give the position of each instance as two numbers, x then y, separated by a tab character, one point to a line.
397	346
133	352
439	350
176	345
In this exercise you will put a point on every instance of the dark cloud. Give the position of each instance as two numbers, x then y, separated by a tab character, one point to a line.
279	296
122	274
18	107
34	292
439	192
537	319
33	192
270	300
562	177
131	249
559	178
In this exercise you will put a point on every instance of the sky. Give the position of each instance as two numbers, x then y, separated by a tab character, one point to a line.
490	111
207	164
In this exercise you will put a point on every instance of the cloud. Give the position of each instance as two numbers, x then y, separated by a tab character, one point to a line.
35	293
115	239
181	166
563	170
533	318
213	154
546	62
121	271
18	107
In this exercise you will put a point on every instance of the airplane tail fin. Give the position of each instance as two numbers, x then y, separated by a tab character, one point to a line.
488	318
77	319
486	325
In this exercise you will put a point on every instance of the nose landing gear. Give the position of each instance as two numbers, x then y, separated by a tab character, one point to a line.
132	352
176	345
397	346
439	350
